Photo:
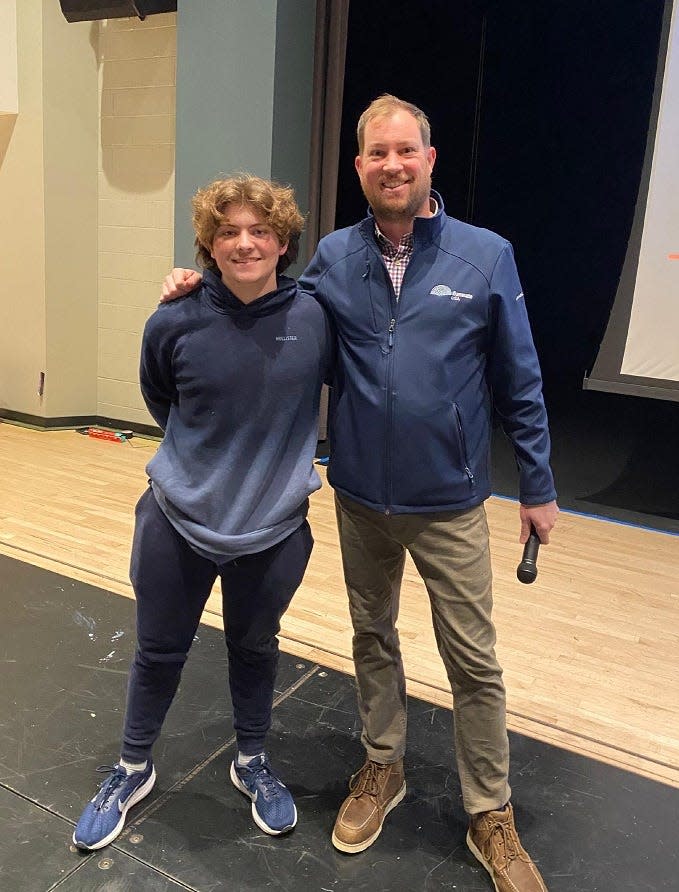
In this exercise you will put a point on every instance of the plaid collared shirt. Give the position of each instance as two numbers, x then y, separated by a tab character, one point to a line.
396	257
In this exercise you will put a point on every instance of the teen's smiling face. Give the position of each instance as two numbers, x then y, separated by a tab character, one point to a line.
246	250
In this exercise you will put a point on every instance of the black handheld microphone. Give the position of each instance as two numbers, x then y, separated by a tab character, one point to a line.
527	570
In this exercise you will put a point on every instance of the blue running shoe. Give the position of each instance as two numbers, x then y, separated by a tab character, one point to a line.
104	816
273	807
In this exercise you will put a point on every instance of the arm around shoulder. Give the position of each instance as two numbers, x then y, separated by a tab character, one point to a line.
178	283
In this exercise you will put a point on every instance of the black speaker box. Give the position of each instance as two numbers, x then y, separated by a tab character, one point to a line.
92	10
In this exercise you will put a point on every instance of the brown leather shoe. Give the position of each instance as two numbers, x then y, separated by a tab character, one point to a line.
375	790
493	840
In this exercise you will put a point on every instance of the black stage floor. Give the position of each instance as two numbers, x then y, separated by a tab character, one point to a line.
65	652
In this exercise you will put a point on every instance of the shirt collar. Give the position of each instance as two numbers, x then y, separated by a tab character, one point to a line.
387	246
406	241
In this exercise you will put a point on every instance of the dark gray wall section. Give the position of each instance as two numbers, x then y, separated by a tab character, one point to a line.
295	26
244	76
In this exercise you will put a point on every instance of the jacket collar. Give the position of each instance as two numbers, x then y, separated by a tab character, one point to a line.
425	229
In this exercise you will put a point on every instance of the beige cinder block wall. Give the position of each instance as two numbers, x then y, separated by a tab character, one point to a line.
22	223
48	218
86	210
9	95
136	198
70	134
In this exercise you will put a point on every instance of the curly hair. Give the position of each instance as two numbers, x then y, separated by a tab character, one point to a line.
386	104
275	203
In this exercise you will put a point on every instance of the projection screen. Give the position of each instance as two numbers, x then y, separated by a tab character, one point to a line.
639	353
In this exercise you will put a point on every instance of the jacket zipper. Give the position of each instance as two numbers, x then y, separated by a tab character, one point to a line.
390	412
394	306
463	444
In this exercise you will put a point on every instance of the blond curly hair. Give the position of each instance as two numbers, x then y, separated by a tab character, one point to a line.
275	203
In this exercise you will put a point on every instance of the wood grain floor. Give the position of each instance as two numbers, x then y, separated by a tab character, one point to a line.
590	651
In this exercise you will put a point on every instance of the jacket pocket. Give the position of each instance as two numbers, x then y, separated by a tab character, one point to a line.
372	298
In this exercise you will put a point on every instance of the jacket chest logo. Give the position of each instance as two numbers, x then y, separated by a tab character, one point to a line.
446	291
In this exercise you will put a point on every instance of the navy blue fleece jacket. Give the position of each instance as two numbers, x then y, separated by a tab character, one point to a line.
416	379
235	387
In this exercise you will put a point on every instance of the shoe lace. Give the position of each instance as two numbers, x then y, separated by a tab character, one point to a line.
109	786
502	844
265	781
367	779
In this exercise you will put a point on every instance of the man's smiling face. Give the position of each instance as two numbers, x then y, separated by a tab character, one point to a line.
395	168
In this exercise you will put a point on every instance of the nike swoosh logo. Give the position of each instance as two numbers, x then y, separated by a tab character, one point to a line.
121	802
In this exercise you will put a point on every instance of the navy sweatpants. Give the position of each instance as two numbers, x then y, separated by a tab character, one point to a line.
172	583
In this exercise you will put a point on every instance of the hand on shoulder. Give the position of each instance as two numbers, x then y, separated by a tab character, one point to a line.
178	283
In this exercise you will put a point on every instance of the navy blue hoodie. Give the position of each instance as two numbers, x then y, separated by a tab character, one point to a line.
235	387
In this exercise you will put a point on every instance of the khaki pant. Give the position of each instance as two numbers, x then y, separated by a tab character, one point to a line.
451	552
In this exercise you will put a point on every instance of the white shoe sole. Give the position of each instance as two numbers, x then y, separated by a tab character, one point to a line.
239	785
139	794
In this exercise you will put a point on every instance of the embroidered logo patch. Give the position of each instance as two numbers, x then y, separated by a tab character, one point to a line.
286	338
446	291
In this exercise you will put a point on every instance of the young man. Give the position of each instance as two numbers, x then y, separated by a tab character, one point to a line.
232	374
432	334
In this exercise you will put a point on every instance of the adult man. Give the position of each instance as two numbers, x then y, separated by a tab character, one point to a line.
232	374
432	332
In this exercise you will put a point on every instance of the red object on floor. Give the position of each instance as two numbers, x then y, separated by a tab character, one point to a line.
100	434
